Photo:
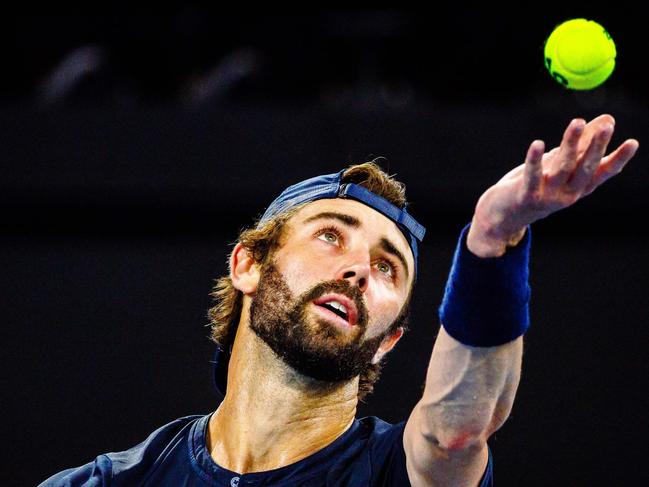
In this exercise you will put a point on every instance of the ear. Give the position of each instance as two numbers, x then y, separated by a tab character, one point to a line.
244	271
387	344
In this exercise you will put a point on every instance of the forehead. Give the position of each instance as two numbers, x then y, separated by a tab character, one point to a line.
375	224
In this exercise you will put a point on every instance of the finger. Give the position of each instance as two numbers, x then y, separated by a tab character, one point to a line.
533	171
565	161
516	172
613	164
591	159
591	129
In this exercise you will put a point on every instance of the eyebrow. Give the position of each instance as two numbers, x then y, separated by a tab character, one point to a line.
353	222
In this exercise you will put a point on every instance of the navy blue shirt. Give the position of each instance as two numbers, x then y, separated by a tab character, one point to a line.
369	453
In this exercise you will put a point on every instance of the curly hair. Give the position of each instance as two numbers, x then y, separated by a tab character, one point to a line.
262	241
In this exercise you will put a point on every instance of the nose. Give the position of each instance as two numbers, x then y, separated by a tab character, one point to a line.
357	272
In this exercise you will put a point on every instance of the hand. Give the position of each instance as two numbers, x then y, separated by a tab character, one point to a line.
546	183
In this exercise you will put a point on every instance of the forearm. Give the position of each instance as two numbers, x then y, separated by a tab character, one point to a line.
475	367
469	391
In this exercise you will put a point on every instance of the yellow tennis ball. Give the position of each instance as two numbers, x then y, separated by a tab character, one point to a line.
580	54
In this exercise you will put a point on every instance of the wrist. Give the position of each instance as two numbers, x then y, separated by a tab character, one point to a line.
486	241
486	300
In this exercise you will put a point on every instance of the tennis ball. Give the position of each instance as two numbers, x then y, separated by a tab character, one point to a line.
580	54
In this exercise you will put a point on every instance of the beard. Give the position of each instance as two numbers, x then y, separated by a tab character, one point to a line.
310	345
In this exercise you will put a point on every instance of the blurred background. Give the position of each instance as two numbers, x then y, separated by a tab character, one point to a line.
136	146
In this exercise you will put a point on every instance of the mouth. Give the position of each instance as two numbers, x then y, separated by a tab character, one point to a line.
338	306
334	318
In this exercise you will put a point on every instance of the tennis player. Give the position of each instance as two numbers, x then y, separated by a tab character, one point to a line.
318	294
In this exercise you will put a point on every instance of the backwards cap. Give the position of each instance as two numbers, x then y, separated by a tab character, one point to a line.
327	186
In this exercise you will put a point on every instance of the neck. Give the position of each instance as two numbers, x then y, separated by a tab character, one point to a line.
271	416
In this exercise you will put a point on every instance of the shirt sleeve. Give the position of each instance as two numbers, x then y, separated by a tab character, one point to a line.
488	476
97	473
396	474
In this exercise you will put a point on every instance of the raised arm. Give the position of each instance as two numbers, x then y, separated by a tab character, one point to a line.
475	366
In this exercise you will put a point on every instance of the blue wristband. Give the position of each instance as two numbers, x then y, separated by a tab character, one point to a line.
486	301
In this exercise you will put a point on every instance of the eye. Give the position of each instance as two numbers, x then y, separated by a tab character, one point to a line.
384	267
329	235
388	268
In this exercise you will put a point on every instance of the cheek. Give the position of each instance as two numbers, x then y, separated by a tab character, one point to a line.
296	274
384	312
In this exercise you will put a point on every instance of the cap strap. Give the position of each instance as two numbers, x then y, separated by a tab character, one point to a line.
379	203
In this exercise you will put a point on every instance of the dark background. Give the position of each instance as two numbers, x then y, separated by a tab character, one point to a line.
135	146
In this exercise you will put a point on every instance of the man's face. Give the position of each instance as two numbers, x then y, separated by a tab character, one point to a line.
334	252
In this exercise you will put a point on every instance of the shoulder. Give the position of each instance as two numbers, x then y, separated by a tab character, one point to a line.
380	433
162	439
93	474
132	462
387	454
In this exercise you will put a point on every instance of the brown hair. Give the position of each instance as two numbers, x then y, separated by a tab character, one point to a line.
263	241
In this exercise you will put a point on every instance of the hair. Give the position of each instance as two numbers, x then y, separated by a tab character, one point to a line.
262	241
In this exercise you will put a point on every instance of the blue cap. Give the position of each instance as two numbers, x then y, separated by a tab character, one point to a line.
328	186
